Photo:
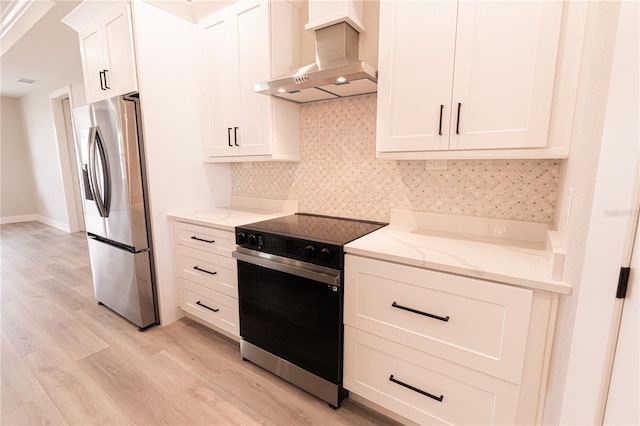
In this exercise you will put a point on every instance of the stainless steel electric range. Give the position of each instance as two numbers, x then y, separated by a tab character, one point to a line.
290	275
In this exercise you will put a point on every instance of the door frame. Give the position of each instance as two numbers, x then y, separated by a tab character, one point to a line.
65	143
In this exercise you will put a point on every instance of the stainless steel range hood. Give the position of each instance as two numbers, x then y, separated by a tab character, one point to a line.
337	72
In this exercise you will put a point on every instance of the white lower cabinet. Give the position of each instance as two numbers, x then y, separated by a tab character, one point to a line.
424	388
438	348
207	276
214	308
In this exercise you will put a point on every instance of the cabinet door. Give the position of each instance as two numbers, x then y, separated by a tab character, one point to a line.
121	71
253	66
238	54
415	75
93	62
505	60
219	53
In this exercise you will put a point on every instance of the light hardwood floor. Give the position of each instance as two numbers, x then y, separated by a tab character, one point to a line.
67	360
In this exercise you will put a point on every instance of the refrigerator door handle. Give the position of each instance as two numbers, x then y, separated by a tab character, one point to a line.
103	200
91	171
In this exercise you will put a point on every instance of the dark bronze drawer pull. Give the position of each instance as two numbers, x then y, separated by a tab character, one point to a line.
203	240
420	391
415	311
206	307
197	268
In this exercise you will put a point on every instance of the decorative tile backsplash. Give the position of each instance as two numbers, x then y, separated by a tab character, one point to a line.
339	175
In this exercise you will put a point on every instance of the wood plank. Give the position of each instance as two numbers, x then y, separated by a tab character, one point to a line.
119	333
76	395
67	331
39	411
184	385
18	385
58	293
67	275
198	345
21	269
86	291
272	397
134	392
23	330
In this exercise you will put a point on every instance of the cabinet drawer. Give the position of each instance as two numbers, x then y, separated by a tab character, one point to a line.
215	272
215	308
208	239
468	397
476	323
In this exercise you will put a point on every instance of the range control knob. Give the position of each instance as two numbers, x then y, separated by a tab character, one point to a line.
252	240
326	254
241	238
310	251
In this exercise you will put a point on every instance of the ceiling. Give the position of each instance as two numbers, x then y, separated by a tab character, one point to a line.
40	47
47	51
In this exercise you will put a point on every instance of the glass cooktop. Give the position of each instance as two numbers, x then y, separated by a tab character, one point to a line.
312	227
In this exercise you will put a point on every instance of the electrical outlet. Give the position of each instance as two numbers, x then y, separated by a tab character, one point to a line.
436	165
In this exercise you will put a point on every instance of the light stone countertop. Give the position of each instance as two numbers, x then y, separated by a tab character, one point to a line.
243	210
517	253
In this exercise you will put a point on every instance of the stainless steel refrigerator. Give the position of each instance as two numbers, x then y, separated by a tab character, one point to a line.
110	144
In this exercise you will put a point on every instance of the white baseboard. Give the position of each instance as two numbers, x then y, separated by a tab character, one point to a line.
36	217
55	223
16	219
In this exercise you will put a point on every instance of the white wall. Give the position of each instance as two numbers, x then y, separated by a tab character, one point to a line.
17	202
612	216
178	178
60	49
43	151
579	174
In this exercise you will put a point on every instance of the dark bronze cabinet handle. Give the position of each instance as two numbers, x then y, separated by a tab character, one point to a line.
203	240
415	311
458	120
420	391
440	125
206	307
229	135
102	78
106	84
197	268
235	136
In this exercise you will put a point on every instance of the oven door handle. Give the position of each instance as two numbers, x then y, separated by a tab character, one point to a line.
289	266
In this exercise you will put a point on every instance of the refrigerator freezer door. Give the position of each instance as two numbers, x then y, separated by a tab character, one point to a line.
122	282
126	220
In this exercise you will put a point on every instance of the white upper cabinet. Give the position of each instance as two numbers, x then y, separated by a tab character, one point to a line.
460	78
505	65
108	55
245	44
415	75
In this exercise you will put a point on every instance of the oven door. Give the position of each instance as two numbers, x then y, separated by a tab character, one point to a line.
293	310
